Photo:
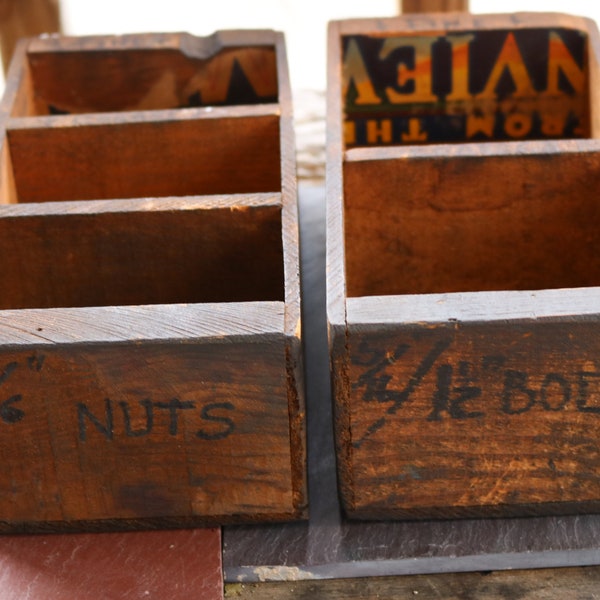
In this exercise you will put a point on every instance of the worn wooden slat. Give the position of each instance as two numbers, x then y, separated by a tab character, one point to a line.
233	202
497	414
571	584
204	323
141	81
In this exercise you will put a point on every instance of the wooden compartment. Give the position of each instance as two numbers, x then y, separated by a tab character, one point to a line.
463	269
150	351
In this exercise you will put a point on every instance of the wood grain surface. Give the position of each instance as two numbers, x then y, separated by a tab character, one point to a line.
150	349
147	429
451	403
473	418
453	228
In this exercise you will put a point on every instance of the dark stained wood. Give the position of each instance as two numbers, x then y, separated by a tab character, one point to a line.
570	584
151	154
135	434
423	6
495	413
25	18
536	230
459	392
94	254
150	351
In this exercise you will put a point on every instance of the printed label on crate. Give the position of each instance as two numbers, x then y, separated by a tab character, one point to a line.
468	86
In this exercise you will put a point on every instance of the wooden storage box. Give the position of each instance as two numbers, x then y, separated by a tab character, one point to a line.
464	264
150	359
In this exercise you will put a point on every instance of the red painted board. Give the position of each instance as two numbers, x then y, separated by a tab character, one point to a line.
173	565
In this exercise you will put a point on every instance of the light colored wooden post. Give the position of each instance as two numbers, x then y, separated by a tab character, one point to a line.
25	18
420	6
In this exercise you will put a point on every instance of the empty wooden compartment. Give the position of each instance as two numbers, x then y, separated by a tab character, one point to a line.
463	270
150	351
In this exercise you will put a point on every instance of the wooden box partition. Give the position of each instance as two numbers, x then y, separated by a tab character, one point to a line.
464	264
150	350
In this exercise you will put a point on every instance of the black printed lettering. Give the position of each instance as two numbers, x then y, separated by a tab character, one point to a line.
555	392
174	407
515	390
451	399
227	424
104	427
9	413
129	432
584	397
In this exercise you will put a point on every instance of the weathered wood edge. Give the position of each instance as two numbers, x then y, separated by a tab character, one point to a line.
335	254
14	77
204	323
197	47
535	148
291	269
503	306
230	202
594	75
289	194
143	116
445	22
146	524
335	269
480	511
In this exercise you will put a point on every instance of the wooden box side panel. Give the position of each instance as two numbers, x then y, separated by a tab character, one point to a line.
146	431
145	157
508	216
162	253
472	419
146	72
